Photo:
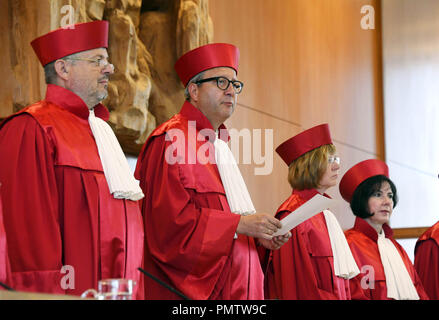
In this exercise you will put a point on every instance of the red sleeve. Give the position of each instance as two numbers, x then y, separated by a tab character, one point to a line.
30	205
5	268
188	233
357	291
427	267
295	270
365	286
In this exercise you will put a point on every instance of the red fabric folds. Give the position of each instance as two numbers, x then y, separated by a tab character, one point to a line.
303	268
427	260
189	228
58	210
362	239
5	268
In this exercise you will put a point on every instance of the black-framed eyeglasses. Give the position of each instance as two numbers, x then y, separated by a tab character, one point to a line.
223	83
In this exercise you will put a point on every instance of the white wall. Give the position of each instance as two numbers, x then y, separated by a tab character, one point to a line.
411	109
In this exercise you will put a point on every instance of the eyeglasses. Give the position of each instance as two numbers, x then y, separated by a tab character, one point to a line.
223	83
100	62
332	159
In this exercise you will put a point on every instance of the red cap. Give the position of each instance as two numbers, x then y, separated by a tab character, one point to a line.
360	172
206	57
63	41
305	141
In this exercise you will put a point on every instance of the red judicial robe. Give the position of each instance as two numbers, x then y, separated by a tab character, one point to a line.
5	269
303	268
58	210
362	239
189	228
427	260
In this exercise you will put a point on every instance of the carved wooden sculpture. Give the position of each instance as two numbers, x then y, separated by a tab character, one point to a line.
145	39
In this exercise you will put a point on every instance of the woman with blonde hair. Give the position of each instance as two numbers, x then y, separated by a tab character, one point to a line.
316	262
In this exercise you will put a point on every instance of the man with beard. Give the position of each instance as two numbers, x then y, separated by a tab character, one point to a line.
70	201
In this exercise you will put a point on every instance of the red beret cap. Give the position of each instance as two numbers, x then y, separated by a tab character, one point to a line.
360	172
206	57
305	141
63	41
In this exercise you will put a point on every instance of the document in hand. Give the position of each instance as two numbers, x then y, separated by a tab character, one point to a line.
316	204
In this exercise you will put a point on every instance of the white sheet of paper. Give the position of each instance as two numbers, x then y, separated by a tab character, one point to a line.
316	204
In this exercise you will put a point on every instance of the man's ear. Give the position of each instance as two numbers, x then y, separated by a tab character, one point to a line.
193	91
62	69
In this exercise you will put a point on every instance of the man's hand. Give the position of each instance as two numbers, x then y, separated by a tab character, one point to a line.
258	225
276	242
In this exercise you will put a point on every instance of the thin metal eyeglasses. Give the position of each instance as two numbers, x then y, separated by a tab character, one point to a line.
100	62
332	159
223	83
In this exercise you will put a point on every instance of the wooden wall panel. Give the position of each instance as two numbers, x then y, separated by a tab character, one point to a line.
268	191
23	81
305	62
266	38
5	66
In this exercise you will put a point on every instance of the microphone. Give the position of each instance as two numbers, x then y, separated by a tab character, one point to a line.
6	287
167	286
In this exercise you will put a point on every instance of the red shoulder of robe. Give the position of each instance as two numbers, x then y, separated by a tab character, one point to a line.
427	260
64	228
303	268
189	228
370	284
5	268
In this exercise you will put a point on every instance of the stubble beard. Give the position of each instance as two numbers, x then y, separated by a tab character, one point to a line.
102	95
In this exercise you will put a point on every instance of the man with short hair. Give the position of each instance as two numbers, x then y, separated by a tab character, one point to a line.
199	218
70	204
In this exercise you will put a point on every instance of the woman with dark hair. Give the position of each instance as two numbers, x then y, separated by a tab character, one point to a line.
316	262
386	270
